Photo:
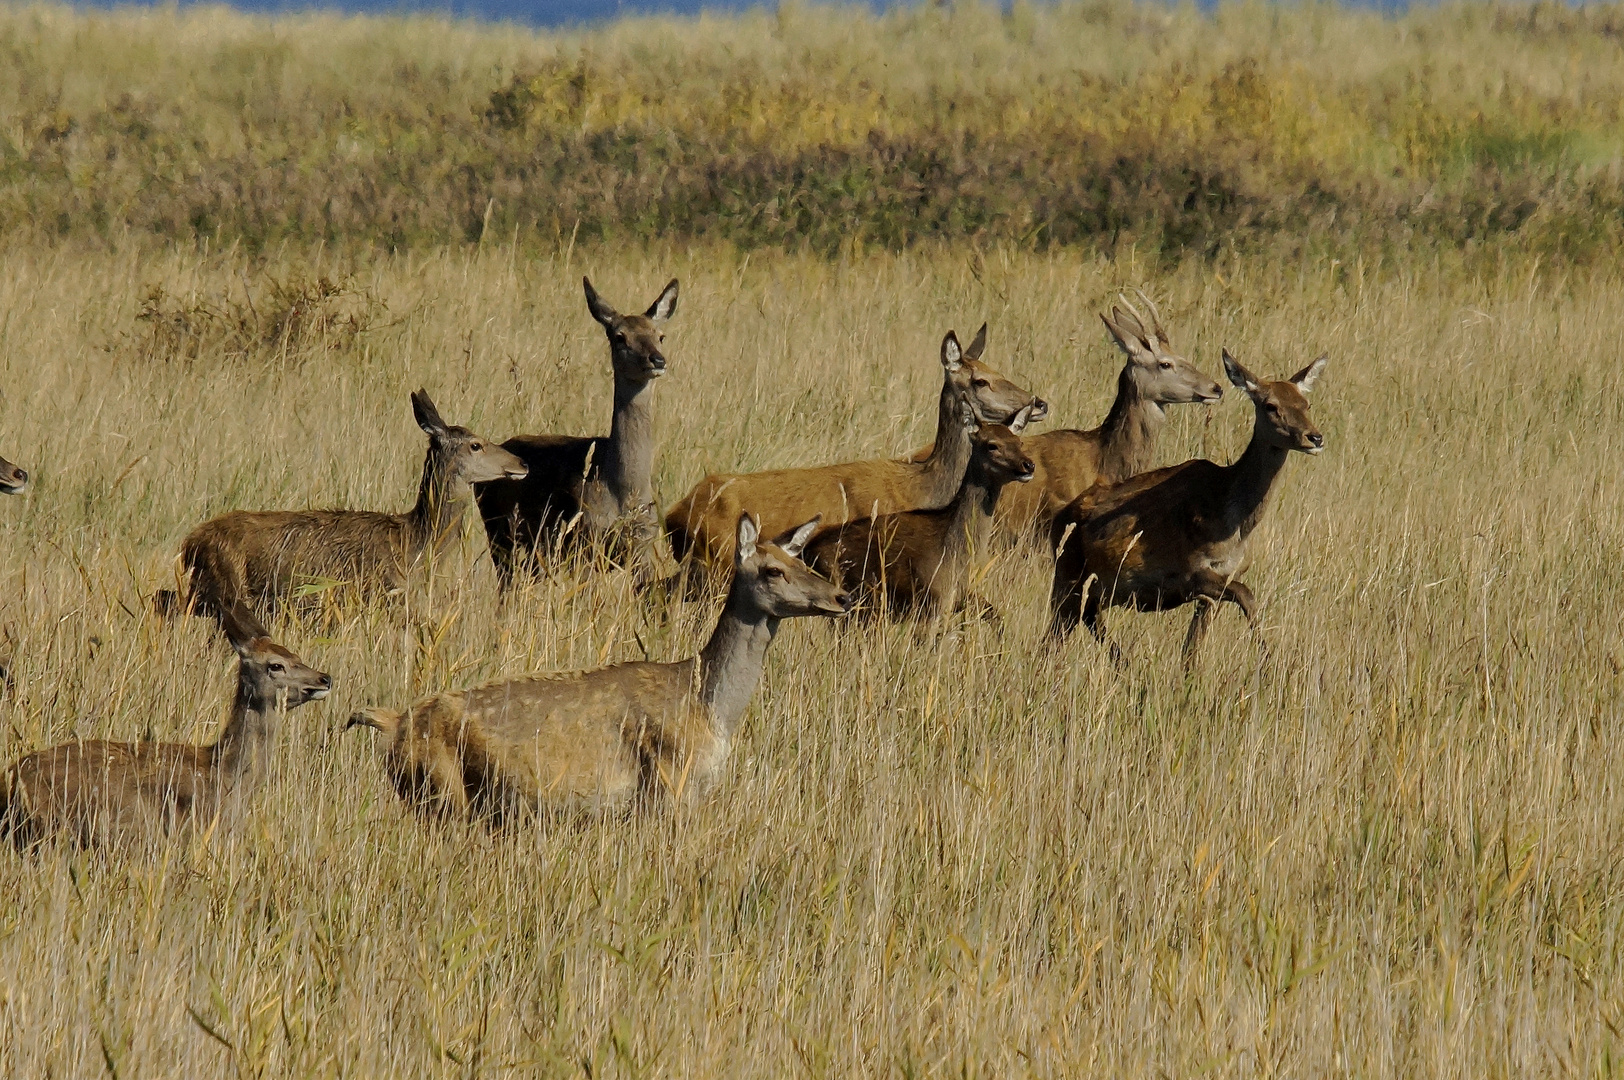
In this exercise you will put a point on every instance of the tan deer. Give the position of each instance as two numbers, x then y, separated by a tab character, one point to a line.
101	792
13	478
1178	535
1071	461
246	558
591	489
600	740
699	527
919	560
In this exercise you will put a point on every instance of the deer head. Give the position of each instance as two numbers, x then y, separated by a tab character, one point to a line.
1282	407
467	457
13	480
635	341
269	676
1160	374
996	397
776	581
996	448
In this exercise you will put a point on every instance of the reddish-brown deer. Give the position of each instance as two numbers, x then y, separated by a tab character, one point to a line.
600	740
13	478
100	792
589	489
245	558
918	562
700	526
1178	535
1071	461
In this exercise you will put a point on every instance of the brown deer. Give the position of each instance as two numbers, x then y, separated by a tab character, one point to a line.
919	560
13	478
600	740
593	489
699	527
243	558
100	792
1071	461
1178	535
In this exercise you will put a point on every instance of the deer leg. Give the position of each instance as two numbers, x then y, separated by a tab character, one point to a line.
1066	605
1205	608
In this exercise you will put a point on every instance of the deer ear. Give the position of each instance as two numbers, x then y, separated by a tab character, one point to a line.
748	533
978	346
1240	376
1128	335
1308	376
952	354
241	628
1018	424
794	541
428	417
666	305
601	311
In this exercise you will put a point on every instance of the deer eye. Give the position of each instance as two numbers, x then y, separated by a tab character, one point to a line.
773	573
476	446
980	384
1167	365
278	667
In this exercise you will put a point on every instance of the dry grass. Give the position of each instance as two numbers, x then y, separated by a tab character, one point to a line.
1389	847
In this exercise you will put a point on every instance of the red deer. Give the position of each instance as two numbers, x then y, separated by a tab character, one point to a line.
699	525
100	792
919	560
606	739
1070	461
1178	535
594	489
13	479
243	558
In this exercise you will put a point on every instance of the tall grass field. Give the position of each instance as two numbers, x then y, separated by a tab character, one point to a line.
1380	838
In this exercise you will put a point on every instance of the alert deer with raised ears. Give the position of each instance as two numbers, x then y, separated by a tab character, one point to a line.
603	740
13	478
919	560
99	792
1070	461
700	526
247	559
597	490
1178	535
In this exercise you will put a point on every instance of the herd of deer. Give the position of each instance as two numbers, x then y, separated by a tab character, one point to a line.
889	537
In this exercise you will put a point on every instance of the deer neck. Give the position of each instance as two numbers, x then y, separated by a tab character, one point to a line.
441	500
969	524
943	470
1128	435
1251	479
244	747
627	468
730	665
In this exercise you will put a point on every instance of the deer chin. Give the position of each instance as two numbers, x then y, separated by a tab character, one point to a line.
13	489
318	694
1024	478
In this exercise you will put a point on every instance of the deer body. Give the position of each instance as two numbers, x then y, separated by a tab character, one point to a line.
600	740
1178	535
13	479
920	559
99	791
246	558
594	489
1069	462
698	526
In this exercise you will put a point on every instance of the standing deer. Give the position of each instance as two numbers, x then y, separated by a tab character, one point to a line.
244	557
1178	535
600	740
99	792
13	478
920	559
699	526
1071	461
589	488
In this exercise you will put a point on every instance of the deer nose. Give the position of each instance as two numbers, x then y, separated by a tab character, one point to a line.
657	362
843	598
22	475
1040	409
1318	440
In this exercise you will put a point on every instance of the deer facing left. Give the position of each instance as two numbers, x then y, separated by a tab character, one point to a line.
243	559
99	792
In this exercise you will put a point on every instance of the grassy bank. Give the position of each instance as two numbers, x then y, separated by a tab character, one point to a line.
1387	847
1098	124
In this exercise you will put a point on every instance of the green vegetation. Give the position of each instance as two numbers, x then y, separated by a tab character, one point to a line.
1094	123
